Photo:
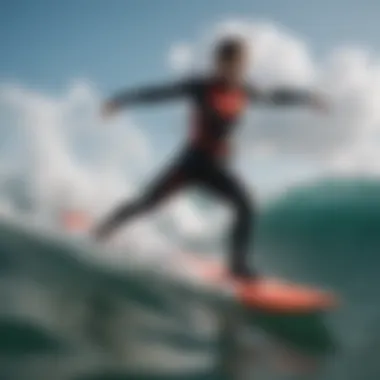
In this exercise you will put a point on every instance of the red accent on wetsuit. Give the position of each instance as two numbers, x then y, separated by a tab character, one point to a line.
228	103
212	123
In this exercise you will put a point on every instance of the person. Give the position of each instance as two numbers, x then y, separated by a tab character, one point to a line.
218	101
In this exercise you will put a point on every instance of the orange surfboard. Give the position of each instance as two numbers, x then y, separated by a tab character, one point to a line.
266	294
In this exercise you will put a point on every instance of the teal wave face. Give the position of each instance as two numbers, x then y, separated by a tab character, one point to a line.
328	234
344	214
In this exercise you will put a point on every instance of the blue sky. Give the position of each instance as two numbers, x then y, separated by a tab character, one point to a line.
45	43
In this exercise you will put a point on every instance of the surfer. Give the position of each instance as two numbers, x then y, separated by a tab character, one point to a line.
218	100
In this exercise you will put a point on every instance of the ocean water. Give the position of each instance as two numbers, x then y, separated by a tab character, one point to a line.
68	313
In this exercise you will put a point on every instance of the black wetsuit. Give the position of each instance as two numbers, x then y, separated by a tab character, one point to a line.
216	109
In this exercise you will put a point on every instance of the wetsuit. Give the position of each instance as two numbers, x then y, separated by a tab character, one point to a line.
216	109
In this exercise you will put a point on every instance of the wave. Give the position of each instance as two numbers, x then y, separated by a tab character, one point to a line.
66	306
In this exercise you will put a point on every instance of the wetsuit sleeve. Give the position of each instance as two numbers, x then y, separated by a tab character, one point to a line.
281	96
152	94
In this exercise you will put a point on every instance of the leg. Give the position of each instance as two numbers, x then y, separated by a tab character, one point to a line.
222	182
161	189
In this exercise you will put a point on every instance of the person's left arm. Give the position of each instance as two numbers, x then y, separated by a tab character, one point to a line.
286	97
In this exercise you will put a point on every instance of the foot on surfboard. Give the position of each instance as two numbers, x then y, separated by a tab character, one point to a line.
262	293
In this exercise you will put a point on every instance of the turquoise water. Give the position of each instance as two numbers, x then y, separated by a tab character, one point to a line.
67	315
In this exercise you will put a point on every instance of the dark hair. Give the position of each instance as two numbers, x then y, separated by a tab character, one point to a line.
229	48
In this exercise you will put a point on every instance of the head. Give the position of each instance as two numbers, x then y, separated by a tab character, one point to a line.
231	58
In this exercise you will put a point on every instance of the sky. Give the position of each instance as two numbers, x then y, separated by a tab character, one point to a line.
46	43
60	59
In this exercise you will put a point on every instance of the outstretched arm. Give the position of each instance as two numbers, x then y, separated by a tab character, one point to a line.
285	97
146	95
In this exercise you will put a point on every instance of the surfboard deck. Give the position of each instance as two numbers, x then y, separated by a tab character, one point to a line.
262	293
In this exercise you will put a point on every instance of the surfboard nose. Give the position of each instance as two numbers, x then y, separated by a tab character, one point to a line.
275	296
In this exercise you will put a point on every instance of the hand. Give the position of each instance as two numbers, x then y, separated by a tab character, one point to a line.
108	109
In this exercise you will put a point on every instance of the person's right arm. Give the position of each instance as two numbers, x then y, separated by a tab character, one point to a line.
146	95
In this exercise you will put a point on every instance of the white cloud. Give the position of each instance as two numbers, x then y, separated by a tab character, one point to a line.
64	152
180	57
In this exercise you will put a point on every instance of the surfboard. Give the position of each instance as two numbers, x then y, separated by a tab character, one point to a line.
275	295
263	293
